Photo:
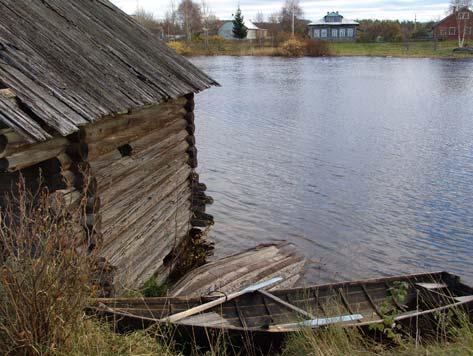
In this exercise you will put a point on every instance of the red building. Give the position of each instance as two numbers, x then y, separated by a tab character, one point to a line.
458	23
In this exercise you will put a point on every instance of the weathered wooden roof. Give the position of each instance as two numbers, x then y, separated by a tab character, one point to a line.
72	62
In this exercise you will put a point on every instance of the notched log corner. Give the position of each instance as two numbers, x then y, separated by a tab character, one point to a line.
191	254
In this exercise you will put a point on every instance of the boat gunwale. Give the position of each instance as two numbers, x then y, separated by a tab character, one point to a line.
282	291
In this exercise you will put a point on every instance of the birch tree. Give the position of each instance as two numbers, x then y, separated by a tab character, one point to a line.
458	8
190	17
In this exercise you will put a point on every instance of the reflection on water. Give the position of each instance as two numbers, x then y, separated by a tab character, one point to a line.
365	164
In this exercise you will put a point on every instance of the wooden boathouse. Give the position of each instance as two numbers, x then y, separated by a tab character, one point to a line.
88	95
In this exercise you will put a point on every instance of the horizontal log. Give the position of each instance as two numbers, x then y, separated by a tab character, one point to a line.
159	139
65	161
189	96
151	249
203	216
138	271
134	125
97	149
202	199
200	187
32	154
190	128
200	208
190	140
72	197
80	182
129	208
193	163
201	223
12	141
120	242
118	180
192	152
149	157
190	105
3	143
152	233
194	177
189	117
126	225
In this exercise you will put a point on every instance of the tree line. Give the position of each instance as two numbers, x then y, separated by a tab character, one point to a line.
190	19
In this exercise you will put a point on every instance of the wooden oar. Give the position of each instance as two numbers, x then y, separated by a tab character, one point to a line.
316	322
203	307
286	304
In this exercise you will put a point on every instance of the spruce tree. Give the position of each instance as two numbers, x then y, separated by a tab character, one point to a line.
239	29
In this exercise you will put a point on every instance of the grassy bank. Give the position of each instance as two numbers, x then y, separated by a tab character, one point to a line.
97	339
420	49
451	340
424	49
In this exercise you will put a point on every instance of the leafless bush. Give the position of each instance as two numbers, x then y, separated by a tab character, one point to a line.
316	48
44	272
292	48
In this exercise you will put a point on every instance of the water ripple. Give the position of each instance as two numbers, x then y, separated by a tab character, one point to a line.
365	164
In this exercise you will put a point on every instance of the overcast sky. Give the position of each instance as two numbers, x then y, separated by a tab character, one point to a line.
313	9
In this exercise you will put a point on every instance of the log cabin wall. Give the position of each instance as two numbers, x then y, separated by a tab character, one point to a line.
137	174
144	165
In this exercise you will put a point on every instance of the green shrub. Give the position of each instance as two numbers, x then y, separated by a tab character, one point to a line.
152	289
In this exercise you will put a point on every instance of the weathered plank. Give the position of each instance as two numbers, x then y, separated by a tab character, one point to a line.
232	273
32	154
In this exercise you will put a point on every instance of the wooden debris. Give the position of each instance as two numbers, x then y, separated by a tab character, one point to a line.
235	272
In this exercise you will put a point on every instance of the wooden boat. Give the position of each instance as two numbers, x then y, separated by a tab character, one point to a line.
256	317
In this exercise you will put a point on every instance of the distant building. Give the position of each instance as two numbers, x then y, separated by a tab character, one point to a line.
254	32
448	28
333	27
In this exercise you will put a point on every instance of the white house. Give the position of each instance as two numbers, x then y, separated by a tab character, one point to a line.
254	32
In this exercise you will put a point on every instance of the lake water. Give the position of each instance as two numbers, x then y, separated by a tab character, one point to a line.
364	164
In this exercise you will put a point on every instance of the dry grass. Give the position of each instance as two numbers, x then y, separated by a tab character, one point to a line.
96	339
453	337
44	276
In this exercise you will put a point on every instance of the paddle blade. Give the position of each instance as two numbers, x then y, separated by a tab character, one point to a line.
262	285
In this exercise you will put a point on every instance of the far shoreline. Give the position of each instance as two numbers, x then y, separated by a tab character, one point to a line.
418	49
